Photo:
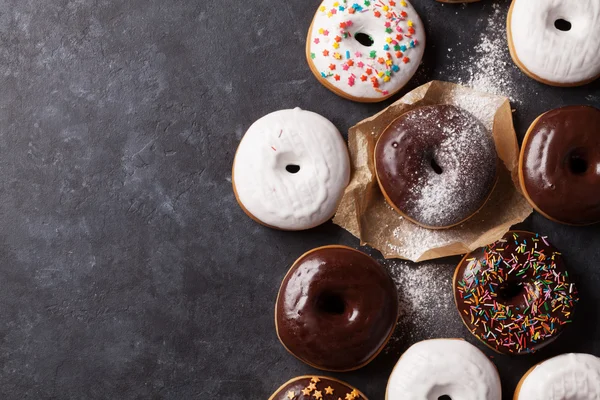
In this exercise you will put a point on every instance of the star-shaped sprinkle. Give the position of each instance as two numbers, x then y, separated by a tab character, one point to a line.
291	394
306	391
317	394
312	386
355	393
328	390
349	396
315	379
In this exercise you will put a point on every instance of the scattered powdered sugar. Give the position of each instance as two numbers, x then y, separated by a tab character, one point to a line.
488	70
417	240
427	308
459	174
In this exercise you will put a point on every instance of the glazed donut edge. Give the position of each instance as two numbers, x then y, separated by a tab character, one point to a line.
320	318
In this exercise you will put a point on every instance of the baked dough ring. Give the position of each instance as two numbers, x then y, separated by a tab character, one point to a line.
432	369
365	50
556	42
565	377
290	170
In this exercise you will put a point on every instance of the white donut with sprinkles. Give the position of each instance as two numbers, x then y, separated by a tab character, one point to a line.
365	50
556	42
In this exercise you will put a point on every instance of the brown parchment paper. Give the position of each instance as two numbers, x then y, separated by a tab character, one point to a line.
364	212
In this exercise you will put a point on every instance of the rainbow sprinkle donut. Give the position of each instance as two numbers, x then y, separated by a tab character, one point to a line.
365	50
515	295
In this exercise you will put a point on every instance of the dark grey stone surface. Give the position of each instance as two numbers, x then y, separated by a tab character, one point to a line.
127	270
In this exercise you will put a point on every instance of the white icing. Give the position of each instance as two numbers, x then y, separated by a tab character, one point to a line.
566	377
364	20
276	197
433	368
564	57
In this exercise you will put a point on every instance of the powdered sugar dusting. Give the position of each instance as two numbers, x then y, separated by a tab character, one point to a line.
462	170
419	240
489	68
427	307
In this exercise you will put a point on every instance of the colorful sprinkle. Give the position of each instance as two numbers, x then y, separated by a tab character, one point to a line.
346	63
515	293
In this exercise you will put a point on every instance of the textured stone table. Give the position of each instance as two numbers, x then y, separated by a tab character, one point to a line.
127	270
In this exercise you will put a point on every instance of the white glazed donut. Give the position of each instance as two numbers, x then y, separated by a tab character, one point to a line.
444	367
365	50
566	377
291	169
556	41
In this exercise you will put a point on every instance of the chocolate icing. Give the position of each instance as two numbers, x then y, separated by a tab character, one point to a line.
560	165
324	389
515	295
336	308
436	165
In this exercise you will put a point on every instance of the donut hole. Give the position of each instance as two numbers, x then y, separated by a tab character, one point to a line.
436	167
292	168
578	164
444	397
562	25
511	289
364	39
331	303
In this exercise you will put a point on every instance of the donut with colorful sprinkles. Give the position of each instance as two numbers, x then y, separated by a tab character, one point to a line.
515	295
365	50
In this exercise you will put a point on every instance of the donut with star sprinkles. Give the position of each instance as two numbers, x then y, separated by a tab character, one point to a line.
316	388
365	50
515	295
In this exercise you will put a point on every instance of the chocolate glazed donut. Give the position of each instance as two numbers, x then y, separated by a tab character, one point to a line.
316	388
336	308
515	295
559	167
436	165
